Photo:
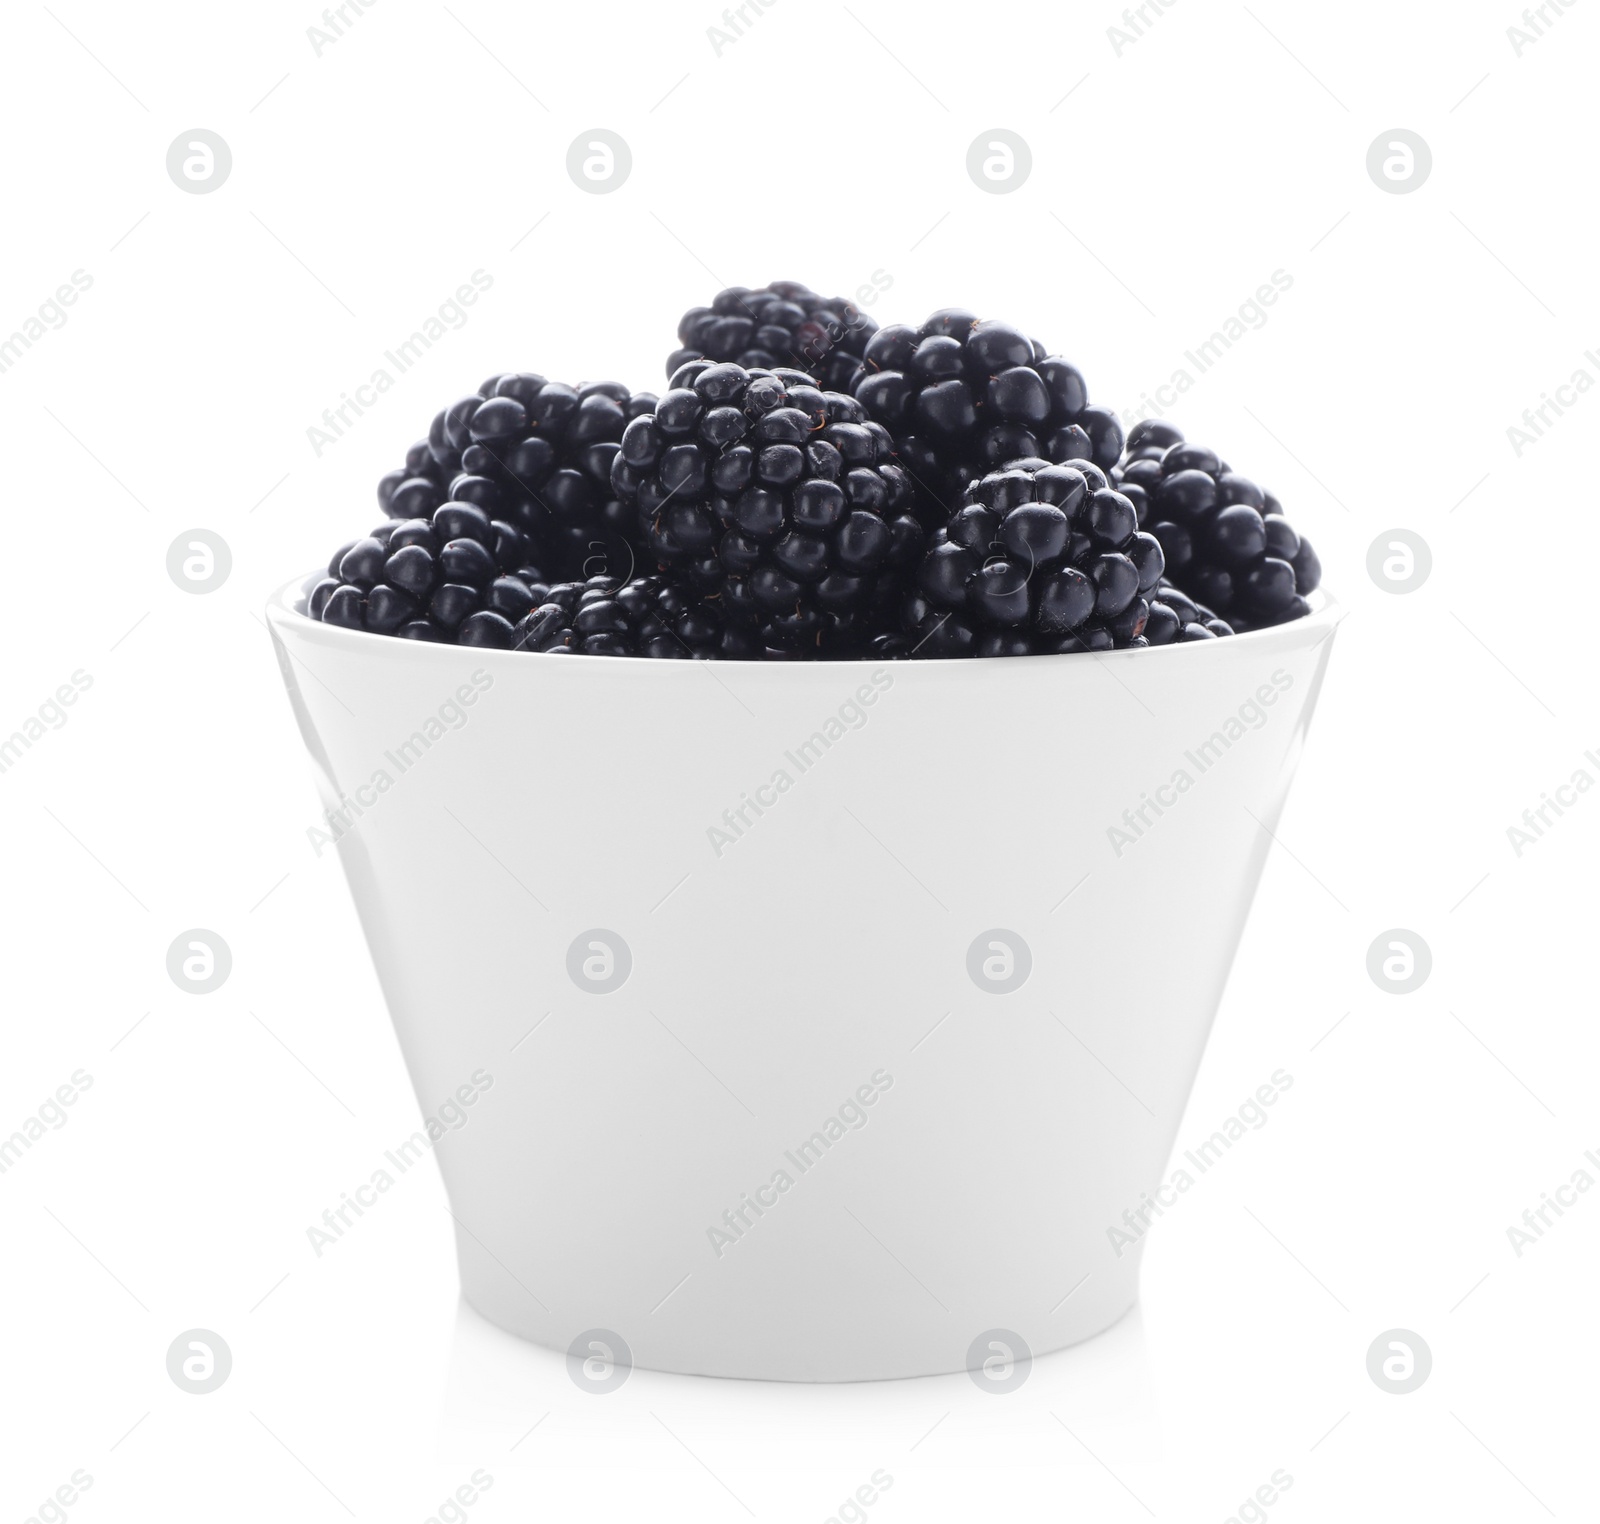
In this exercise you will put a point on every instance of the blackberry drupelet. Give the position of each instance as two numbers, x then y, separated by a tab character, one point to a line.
649	616
1226	540
1042	558
962	396
783	324
777	500
533	453
455	576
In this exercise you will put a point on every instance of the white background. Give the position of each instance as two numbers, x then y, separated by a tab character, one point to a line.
827	143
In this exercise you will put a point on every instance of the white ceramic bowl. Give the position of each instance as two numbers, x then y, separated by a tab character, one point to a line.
815	1021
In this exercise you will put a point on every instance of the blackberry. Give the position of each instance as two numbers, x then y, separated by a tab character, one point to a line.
456	576
648	616
1225	539
533	453
1041	558
962	396
776	499
783	324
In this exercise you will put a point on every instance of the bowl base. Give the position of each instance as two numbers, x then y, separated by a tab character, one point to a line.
932	1362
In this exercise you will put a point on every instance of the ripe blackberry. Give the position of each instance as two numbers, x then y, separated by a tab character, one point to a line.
776	499
534	453
1226	540
1042	558
456	576
649	616
962	396
783	324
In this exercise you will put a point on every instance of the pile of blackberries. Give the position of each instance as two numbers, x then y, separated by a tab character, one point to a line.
811	485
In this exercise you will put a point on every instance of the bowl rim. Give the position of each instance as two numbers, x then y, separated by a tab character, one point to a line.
281	611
